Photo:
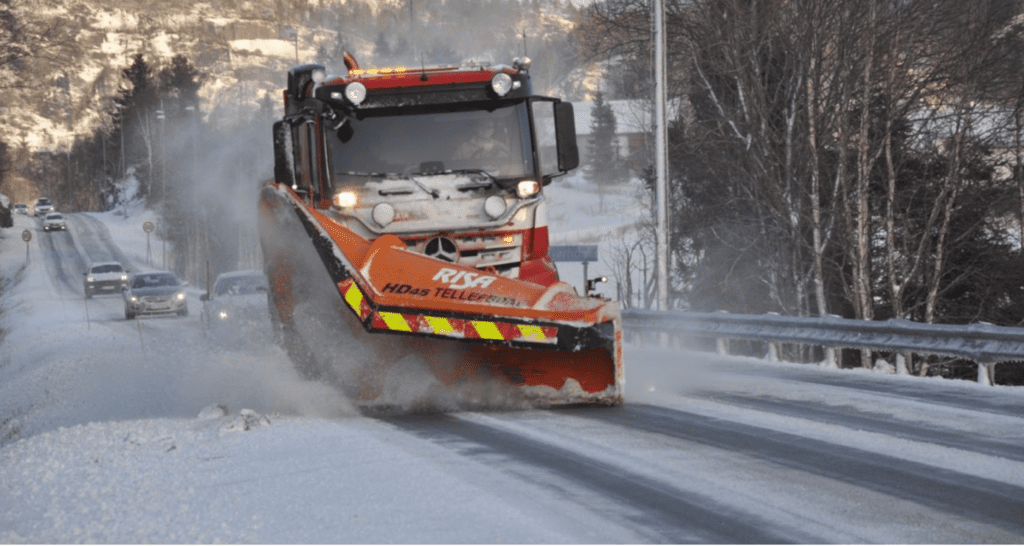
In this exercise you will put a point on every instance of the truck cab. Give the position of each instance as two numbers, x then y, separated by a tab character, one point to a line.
451	160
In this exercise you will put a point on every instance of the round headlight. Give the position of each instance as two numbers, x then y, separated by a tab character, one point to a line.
345	199
383	214
494	206
318	75
501	83
222	314
527	188
355	92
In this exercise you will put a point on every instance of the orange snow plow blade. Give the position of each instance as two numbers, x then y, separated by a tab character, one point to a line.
548	345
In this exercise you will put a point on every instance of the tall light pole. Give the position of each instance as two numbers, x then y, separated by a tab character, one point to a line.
195	137
120	129
294	33
163	152
661	155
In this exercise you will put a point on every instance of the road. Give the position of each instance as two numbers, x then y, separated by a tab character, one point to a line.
707	449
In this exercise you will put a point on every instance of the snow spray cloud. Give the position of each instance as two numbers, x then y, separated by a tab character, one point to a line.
215	169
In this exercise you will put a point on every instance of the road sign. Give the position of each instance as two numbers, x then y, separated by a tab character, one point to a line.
148	227
573	253
26	235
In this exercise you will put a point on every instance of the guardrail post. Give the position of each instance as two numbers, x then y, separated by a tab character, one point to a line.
723	346
901	364
830	358
773	352
985	373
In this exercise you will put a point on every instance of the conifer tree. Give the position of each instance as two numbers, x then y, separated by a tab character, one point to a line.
604	166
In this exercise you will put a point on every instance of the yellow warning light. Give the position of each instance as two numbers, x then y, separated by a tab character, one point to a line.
508	239
357	72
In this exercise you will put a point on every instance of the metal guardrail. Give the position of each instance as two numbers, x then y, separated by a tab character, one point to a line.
982	343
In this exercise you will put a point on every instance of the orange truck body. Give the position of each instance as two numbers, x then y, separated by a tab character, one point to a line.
360	287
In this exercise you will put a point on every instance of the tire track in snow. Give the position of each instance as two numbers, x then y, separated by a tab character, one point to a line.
948	491
97	243
853	418
60	257
953	397
653	509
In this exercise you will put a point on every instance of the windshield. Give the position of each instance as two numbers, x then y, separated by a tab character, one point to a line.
495	141
241	286
108	268
150	280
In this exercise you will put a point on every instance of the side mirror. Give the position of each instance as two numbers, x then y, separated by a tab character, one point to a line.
565	133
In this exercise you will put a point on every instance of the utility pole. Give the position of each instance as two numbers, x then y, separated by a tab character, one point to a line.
661	155
163	152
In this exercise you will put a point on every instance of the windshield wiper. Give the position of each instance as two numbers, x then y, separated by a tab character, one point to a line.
477	183
433	192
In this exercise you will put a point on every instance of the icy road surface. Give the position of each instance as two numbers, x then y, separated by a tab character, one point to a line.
111	432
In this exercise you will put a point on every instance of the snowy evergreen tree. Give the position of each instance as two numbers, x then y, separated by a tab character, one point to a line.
605	165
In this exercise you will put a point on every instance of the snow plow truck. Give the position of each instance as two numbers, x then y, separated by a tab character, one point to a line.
405	240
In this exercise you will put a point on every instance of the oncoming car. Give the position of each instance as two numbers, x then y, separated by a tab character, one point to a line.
21	208
235	311
155	292
54	221
43	206
104	277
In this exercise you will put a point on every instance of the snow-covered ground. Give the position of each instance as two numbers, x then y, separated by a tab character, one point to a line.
135	431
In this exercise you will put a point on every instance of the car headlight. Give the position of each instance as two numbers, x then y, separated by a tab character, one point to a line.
89	278
527	188
345	199
124	277
495	206
501	83
355	92
180	295
383	214
223	315
134	299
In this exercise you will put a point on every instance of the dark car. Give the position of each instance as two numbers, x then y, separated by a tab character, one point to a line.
104	278
155	292
235	311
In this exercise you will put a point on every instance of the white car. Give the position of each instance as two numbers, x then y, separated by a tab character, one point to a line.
105	277
43	206
236	312
21	208
54	221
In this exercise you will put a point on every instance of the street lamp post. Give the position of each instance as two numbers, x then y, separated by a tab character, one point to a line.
294	33
120	129
163	153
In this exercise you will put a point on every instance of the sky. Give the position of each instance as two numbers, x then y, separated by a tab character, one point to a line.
138	431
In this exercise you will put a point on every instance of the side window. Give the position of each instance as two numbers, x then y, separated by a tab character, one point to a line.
544	127
305	136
